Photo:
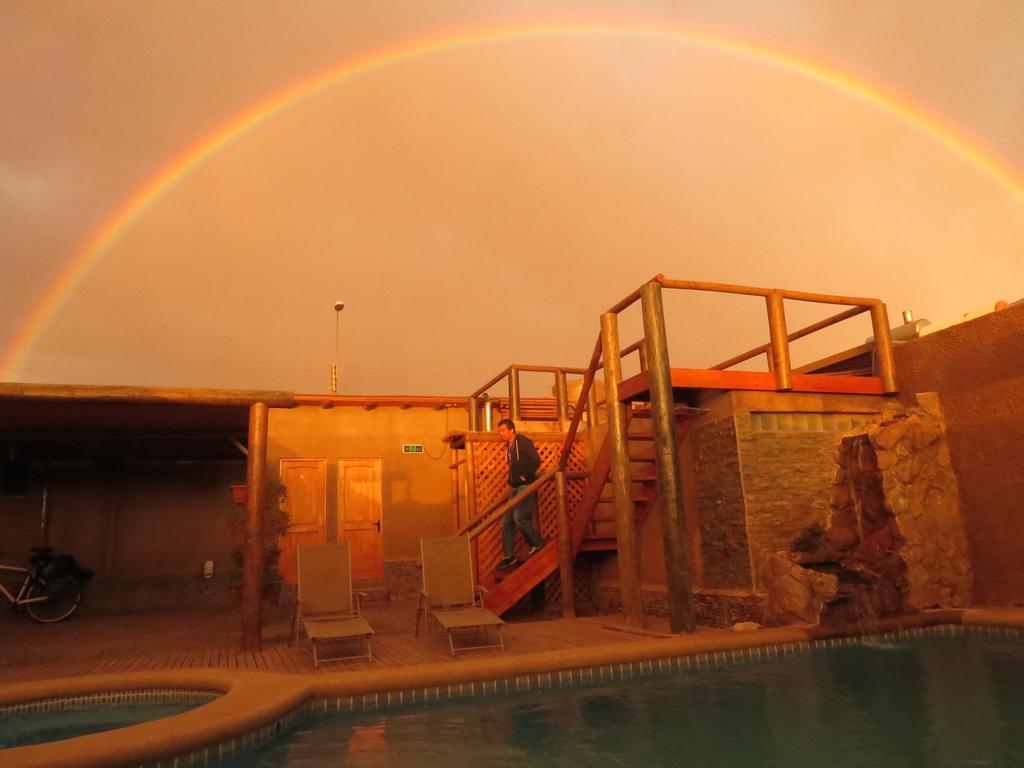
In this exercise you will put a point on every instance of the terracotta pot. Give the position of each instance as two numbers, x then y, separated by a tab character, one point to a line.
240	493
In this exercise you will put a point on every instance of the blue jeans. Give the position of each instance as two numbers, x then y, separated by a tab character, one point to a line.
521	517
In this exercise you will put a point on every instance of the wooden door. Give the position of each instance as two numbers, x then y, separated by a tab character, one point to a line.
306	504
359	515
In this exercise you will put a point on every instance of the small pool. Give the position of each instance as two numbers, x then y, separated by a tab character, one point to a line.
941	700
55	719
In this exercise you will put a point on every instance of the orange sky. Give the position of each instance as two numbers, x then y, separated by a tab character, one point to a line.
482	205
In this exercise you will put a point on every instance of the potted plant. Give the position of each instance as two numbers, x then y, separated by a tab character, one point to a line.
275	524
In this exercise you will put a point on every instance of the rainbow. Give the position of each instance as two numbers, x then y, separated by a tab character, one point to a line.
935	128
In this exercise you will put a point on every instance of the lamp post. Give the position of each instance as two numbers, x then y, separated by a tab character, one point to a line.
338	306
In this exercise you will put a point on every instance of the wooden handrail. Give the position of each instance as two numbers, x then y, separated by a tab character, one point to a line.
777	326
526	369
588	381
626	302
492	382
831	320
472	523
631	348
746	290
486	520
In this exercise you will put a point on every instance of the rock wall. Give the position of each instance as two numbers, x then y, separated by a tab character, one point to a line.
921	492
894	541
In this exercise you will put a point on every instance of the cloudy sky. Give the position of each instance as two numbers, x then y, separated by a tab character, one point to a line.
187	186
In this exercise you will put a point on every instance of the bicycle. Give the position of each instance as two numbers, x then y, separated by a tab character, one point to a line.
47	601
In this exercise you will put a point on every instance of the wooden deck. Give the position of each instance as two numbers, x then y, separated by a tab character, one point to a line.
96	644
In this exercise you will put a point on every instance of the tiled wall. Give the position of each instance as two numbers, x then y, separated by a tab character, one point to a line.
109	699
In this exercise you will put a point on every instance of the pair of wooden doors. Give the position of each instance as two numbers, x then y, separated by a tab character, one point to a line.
359	512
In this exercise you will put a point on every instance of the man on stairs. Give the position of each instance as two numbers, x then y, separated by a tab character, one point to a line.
523	463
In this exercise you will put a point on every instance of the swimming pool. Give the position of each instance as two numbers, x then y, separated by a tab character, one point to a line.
950	698
64	718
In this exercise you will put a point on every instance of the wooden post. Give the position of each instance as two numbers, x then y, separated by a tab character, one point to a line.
514	408
252	574
470	482
625	520
455	488
592	415
883	348
564	550
562	398
473	406
113	478
682	614
44	511
780	344
642	352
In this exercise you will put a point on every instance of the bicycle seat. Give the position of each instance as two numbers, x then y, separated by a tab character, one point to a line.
41	555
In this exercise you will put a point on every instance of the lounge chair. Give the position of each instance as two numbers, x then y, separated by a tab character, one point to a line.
450	594
326	607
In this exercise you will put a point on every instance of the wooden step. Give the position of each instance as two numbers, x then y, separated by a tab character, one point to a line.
603	544
637	498
602	519
516	583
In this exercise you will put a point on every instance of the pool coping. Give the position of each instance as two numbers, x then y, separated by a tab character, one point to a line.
255	706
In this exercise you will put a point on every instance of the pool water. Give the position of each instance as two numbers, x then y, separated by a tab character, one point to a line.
934	701
39	727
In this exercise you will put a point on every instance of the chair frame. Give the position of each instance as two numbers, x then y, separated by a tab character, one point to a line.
299	622
425	610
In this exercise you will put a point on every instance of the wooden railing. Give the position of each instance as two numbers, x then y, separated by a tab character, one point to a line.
777	348
480	398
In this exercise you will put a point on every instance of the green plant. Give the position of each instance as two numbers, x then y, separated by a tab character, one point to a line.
275	524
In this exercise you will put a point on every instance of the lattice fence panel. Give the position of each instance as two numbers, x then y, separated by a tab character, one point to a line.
490	474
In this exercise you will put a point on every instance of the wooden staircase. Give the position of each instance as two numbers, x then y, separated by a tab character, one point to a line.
592	524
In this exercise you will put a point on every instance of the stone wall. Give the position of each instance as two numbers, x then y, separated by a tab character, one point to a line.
714	607
723	526
786	466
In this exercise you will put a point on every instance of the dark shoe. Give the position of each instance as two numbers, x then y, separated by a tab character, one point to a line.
507	564
534	550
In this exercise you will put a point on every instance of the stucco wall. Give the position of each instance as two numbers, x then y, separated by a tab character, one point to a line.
977	368
416	487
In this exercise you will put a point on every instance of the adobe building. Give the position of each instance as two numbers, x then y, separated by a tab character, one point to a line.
136	483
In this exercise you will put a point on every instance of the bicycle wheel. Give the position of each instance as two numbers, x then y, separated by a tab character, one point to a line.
58	606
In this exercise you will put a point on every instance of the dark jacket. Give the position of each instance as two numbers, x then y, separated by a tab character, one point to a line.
523	461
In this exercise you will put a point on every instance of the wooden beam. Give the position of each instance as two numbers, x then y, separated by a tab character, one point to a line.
781	367
637	387
252	573
682	613
818	298
565	556
102	394
625	524
381	401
